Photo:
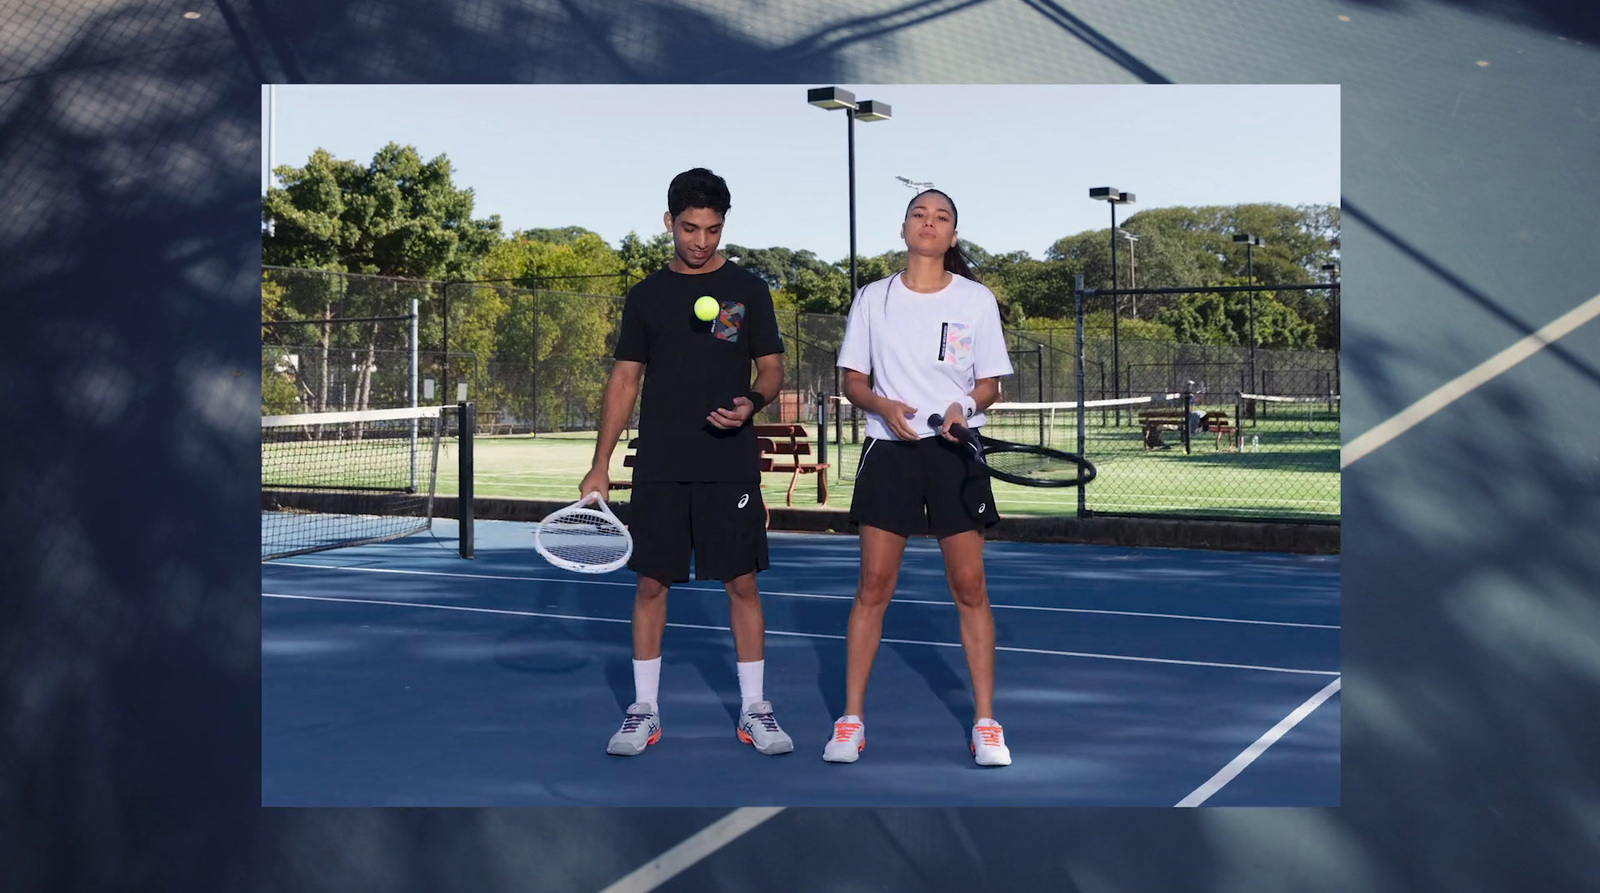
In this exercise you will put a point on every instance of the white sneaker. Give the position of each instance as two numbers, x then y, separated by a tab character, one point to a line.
641	727
989	744
758	728
849	739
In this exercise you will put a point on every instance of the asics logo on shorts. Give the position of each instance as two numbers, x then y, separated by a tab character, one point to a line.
743	501
982	506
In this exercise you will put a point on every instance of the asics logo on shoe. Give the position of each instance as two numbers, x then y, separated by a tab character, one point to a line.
744	500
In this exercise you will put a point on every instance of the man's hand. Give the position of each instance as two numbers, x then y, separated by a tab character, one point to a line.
598	480
897	416
954	414
726	419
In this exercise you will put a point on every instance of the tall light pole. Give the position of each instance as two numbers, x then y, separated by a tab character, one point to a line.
1133	273
272	143
1250	244
865	110
1114	196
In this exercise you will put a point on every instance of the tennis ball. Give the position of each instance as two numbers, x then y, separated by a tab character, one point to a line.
706	308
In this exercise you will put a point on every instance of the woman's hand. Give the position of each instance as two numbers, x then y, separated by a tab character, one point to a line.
954	414
898	417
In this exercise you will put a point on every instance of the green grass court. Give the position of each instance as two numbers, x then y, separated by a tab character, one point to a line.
1292	474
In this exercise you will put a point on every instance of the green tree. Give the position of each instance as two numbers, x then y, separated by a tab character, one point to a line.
279	393
560	340
397	216
565	235
642	257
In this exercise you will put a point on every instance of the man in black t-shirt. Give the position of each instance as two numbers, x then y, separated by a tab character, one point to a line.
697	481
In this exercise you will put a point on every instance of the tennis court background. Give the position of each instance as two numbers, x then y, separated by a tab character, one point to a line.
130	255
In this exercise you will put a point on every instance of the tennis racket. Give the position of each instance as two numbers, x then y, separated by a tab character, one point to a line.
589	540
1019	463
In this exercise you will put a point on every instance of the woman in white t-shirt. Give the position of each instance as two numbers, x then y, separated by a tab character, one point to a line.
930	338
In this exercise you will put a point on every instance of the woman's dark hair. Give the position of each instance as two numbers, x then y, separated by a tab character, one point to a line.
698	188
955	260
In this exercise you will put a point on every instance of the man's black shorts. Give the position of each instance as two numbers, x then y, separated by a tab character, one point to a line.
723	525
923	487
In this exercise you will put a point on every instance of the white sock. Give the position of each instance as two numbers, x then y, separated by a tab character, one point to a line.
647	681
750	674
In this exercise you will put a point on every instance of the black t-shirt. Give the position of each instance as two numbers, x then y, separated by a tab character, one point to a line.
693	367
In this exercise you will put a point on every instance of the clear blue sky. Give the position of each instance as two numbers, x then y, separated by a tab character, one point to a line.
1018	160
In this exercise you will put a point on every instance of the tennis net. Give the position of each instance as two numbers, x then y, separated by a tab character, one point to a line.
336	479
1292	415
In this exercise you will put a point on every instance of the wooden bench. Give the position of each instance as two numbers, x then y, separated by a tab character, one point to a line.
781	446
491	423
1154	421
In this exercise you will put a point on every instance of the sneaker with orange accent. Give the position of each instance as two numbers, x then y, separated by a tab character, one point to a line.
849	739
989	744
758	728
641	727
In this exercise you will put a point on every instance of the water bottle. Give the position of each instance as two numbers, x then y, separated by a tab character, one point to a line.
1255	443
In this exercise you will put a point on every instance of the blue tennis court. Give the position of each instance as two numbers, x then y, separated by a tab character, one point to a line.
401	674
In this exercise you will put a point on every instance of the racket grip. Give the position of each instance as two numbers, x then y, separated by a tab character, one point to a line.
935	420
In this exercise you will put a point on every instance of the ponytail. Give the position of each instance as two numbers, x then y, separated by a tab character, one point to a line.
955	260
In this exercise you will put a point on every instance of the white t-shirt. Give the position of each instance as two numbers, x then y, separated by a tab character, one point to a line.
925	350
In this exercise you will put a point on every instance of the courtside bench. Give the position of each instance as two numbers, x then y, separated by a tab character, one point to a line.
1154	421
782	448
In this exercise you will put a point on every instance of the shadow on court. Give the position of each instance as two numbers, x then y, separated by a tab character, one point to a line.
132	653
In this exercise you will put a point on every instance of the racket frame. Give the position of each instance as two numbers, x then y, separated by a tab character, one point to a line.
981	446
595	499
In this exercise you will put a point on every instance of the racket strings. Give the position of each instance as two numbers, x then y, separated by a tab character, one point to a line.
583	536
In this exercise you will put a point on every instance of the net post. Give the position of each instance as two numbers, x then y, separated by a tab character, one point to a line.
467	423
1077	360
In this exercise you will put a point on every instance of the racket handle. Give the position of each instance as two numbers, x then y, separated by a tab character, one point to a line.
936	420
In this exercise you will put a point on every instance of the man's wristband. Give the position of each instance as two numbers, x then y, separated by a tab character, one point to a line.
969	405
754	396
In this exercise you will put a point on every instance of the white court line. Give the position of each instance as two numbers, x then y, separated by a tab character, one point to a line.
692	849
1465	383
908	601
1237	764
772	632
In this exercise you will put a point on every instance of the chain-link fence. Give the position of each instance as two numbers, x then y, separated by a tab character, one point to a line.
1224	430
535	361
335	342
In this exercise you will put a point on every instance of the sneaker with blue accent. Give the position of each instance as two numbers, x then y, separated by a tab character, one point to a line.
758	728
641	727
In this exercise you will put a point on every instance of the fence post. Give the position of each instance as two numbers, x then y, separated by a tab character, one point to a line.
1077	313
822	436
838	426
1188	406
533	423
414	308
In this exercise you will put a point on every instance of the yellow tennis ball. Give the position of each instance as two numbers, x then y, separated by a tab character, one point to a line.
706	308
